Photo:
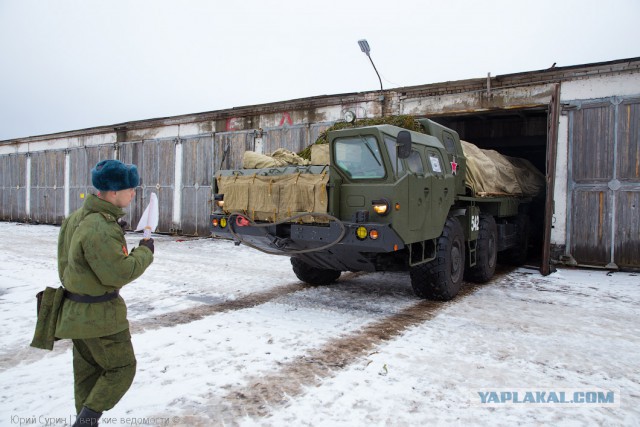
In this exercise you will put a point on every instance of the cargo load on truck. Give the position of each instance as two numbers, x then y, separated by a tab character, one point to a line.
280	157
271	198
490	173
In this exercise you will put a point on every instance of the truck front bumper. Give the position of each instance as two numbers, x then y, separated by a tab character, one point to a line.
357	250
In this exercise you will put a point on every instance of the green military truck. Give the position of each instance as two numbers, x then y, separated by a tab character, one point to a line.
387	199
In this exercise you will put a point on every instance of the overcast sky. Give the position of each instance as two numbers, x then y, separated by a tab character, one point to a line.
73	64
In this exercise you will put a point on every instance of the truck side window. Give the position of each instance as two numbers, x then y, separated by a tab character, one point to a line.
414	162
393	152
449	142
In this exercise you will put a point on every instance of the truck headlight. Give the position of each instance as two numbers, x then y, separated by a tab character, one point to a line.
361	233
381	206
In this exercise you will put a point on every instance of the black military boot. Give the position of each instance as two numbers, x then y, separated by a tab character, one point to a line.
87	418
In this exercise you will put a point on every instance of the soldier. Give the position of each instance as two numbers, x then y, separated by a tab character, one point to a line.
93	264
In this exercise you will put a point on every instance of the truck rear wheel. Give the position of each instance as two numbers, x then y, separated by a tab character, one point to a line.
313	275
441	278
486	252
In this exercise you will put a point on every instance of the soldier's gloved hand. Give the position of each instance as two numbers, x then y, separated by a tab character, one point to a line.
148	243
123	224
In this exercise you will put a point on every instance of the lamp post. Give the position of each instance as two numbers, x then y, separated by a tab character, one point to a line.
364	46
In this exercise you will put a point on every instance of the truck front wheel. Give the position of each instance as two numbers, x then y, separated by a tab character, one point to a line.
486	252
441	278
313	275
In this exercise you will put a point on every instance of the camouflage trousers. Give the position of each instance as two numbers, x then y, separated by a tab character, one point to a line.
103	370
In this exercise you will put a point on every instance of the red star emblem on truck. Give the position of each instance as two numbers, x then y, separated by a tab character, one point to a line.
454	166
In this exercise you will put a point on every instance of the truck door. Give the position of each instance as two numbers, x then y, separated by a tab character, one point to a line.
420	178
439	192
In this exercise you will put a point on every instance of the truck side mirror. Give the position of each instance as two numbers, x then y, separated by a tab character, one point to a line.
404	144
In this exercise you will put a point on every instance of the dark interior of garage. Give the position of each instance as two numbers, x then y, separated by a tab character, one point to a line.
517	133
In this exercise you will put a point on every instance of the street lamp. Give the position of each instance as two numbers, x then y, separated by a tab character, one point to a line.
364	46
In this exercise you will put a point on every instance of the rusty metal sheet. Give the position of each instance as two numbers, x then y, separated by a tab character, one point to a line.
197	174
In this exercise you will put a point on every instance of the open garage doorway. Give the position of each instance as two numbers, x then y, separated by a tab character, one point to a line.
521	133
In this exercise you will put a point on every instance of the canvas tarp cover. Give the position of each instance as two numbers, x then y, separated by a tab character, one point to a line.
273	198
490	173
280	157
320	154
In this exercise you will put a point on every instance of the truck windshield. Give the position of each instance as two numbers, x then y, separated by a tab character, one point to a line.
359	157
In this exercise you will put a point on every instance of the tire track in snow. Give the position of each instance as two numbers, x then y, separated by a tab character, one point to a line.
192	314
24	354
265	392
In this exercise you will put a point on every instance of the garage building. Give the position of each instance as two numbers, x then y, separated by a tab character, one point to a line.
580	125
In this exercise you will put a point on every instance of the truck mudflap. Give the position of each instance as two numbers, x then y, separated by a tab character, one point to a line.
338	245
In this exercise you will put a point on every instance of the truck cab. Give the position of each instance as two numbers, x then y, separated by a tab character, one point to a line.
412	177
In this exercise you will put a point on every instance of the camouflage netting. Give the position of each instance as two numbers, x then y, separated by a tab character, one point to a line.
407	122
272	198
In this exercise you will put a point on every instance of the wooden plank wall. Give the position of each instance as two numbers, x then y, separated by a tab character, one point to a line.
604	181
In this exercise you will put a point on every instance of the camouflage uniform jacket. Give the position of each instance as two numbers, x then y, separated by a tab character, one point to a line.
93	260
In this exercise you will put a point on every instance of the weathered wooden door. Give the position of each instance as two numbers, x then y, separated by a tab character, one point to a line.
197	175
155	159
604	183
13	187
81	161
47	186
553	118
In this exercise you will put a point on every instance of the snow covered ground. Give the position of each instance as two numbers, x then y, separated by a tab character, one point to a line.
225	335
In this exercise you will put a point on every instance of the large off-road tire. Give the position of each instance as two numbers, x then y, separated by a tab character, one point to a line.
486	252
313	275
441	278
517	255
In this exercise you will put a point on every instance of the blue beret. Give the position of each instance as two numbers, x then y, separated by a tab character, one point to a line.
113	175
